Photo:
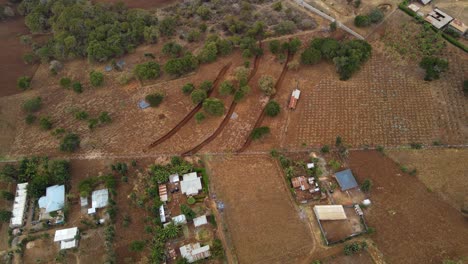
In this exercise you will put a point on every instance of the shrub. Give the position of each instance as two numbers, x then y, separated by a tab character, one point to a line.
294	45
191	200
104	117
198	96
224	47
65	82
267	84
194	35
154	99
362	21
204	12
311	56
77	87
241	92
416	145
188	88
45	123
182	65
172	49
376	15
226	88
366	185
5	216
81	115
24	82
380	149
32	105
272	108
260	132
7	195
277	6
187	211
434	67
92	123
148	70
325	149
285	27
70	142
333	26
199	117
30	118
274	46
206	85
96	78
213	106
208	53
137	245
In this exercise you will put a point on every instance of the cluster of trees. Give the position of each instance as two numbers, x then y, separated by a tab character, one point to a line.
160	173
148	70
24	82
434	67
374	17
347	56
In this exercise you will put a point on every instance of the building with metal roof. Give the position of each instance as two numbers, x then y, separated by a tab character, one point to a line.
346	180
191	184
19	205
199	221
329	212
458	26
54	199
100	198
179	220
194	252
66	237
438	18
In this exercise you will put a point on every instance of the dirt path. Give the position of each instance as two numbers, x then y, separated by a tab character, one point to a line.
226	119
192	113
262	115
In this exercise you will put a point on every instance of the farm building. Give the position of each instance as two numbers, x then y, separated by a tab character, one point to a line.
174	178
99	198
199	221
294	98
19	205
191	184
346	180
458	26
194	252
329	212
54	199
163	192
162	214
438	19
414	8
67	238
300	182
179	220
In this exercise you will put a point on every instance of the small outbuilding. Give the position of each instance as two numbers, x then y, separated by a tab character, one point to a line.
162	214
100	198
199	221
67	238
179	220
458	27
194	252
329	212
296	93
191	184
346	180
174	178
54	199
19	205
300	182
438	18
163	192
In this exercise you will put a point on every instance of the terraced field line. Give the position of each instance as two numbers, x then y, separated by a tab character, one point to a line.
228	115
262	115
190	115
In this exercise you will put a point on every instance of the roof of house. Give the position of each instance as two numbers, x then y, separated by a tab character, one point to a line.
163	192
346	180
174	178
426	1
194	252
191	184
300	181
54	199
19	205
458	25
68	244
162	214
179	220
414	7
199	221
65	234
438	18
100	198
84	201
329	212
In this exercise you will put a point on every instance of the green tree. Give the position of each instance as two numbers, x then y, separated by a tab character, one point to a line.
330	48
5	216
226	88
274	46
267	84
206	85
154	99
260	132
187	211
96	78
167	26
148	70
8	173
224	47
362	21
272	108
172	49
366	185
213	106
199	117
198	96
24	82
311	56
188	88
45	123
241	75
376	15
209	53
204	12
32	105
104	117
7	195
294	45
77	87
434	67
70	142
179	66
241	92
151	34
65	82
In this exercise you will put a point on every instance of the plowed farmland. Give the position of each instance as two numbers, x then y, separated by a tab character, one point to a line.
261	217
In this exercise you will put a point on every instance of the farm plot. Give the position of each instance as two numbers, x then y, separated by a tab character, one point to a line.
443	171
412	224
260	215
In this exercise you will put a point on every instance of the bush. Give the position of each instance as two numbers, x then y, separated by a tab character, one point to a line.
434	67
206	85
182	65
5	216
24	82
191	200
137	245
213	106
325	149
154	99
362	21
294	45
267	84
416	145
148	70
260	132
272	108
241	92
376	16
188	88
7	195
208	53
172	49
77	87
199	117
311	56
70	142
285	27
198	96
65	82
187	211
366	185
274	46
224	47
277	6
104	117
226	88
30	118
81	115
92	123
45	123
333	26
96	78
32	105
465	87
194	35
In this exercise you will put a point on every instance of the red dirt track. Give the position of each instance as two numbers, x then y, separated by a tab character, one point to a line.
192	113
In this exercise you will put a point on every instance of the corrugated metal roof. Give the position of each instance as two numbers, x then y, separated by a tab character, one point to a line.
100	198
199	221
54	199
65	234
19	205
191	184
346	180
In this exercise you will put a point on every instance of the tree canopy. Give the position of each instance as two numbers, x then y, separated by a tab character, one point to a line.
148	70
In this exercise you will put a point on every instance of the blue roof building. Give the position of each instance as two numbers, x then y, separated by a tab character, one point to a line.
346	180
54	199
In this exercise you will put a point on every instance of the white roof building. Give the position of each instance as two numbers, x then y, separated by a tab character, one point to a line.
194	252
66	237
99	198
19	205
162	214
174	178
438	18
310	165
54	199
329	212
163	192
199	221
179	220
191	184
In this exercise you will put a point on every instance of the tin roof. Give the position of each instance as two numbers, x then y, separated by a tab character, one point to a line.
346	179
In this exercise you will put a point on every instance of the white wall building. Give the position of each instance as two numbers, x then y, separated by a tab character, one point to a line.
19	205
66	237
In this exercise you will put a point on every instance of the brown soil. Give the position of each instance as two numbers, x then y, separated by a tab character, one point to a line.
412	225
444	171
143	4
260	214
12	66
362	257
5	205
